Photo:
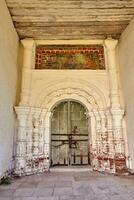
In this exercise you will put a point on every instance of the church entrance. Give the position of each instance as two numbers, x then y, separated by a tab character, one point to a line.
69	135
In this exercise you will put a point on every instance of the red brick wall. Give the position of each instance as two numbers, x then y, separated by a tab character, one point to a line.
70	57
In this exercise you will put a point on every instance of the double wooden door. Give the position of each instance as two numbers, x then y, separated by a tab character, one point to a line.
69	135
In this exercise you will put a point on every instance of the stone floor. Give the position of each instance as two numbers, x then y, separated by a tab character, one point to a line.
69	186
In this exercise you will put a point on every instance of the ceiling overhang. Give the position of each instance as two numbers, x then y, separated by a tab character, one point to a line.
70	19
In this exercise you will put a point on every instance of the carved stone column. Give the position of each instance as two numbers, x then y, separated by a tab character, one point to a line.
110	45
116	111
47	146
96	139
28	65
31	153
92	138
38	159
111	141
20	160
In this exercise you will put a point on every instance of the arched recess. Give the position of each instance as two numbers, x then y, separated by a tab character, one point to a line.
36	125
70	134
94	104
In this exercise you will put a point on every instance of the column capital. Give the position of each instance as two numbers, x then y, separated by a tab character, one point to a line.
28	43
117	112
22	111
117	115
110	44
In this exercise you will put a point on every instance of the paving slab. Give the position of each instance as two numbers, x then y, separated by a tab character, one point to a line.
63	191
72	197
24	192
63	183
49	198
69	186
7	192
43	192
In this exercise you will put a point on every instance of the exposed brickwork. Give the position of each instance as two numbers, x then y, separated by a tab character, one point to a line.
120	164
70	57
110	163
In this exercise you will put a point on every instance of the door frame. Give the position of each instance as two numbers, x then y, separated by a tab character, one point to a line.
95	111
88	120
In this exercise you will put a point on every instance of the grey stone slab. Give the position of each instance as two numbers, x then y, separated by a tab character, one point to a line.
100	189
29	198
63	183
17	198
65	178
63	191
24	192
80	188
47	183
121	197
72	197
96	197
6	192
28	185
43	192
85	178
5	198
69	186
34	179
49	198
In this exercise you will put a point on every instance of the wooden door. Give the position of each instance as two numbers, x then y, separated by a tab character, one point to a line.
69	135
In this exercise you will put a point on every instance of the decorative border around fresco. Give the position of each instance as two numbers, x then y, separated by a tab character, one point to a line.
79	57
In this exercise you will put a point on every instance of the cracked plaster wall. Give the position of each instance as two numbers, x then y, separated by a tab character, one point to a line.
8	81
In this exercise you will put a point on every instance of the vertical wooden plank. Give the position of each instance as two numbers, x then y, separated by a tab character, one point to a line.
69	118
69	131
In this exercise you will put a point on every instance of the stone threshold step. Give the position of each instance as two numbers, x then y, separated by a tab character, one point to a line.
71	169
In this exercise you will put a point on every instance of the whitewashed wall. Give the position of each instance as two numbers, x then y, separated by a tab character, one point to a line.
126	61
41	84
8	81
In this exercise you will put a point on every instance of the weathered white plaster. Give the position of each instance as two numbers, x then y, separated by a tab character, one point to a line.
126	62
97	90
8	81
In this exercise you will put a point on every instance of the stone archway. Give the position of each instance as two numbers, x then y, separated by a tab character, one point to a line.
101	124
37	122
33	147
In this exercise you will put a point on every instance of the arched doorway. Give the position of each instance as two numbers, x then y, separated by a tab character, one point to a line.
69	134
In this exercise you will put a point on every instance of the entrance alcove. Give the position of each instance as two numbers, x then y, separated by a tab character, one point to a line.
89	99
44	89
109	138
34	155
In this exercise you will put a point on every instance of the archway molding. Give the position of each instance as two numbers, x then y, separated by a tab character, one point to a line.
94	111
33	155
84	88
